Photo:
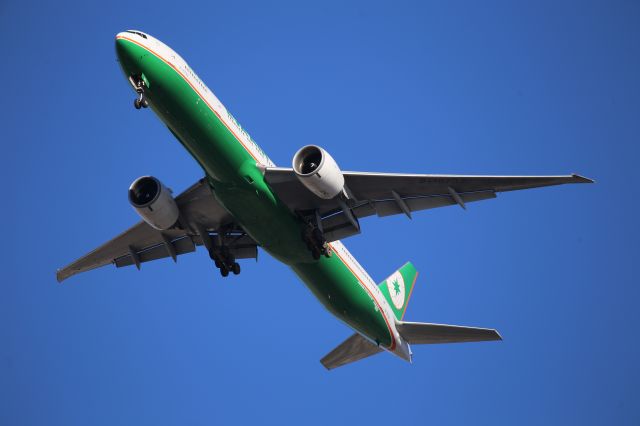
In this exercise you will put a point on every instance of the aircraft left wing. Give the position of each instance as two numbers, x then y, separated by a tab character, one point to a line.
385	194
201	217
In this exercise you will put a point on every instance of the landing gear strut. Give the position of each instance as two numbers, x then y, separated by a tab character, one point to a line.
315	241
219	251
139	85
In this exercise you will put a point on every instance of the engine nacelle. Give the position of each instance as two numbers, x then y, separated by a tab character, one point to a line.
318	171
153	202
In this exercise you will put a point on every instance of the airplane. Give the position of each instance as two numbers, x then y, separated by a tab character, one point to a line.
297	214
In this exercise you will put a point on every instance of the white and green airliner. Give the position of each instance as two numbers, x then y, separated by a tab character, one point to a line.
298	215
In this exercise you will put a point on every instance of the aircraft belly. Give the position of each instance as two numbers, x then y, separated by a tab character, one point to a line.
335	286
278	232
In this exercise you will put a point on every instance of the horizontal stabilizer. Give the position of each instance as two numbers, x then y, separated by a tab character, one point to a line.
426	333
353	349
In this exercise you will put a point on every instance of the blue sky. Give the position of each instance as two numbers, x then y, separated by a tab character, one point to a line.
448	87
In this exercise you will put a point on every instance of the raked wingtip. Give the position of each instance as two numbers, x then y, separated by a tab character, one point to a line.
581	179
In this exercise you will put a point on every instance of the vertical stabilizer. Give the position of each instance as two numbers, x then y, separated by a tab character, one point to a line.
398	287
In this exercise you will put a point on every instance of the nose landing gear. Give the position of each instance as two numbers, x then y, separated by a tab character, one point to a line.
140	102
138	83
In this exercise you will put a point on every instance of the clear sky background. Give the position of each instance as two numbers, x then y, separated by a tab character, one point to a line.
473	87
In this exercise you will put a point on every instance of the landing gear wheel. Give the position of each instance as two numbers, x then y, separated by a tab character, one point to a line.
235	268
136	103
144	103
218	264
224	271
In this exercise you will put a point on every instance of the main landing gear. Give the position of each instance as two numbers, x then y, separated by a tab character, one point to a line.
139	85
224	260
315	241
219	251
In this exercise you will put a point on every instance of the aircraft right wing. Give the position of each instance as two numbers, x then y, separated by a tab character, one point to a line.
385	194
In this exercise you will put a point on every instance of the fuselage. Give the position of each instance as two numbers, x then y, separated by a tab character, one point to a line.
233	164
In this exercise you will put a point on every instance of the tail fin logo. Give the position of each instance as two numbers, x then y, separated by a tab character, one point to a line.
395	285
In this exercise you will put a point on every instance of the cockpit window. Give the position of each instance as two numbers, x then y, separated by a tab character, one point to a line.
138	33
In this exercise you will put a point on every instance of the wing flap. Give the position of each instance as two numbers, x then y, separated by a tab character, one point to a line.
182	245
391	207
427	333
351	350
185	244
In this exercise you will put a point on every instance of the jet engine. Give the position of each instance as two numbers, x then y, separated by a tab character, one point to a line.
318	171
153	202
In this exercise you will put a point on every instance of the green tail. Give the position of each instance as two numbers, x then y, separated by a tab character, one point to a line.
398	287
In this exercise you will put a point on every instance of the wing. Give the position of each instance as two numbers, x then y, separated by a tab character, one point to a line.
201	216
423	333
387	194
353	349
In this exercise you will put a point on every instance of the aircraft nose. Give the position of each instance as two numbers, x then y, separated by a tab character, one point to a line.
122	49
128	53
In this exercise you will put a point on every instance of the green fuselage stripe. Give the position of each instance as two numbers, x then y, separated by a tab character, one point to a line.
239	185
